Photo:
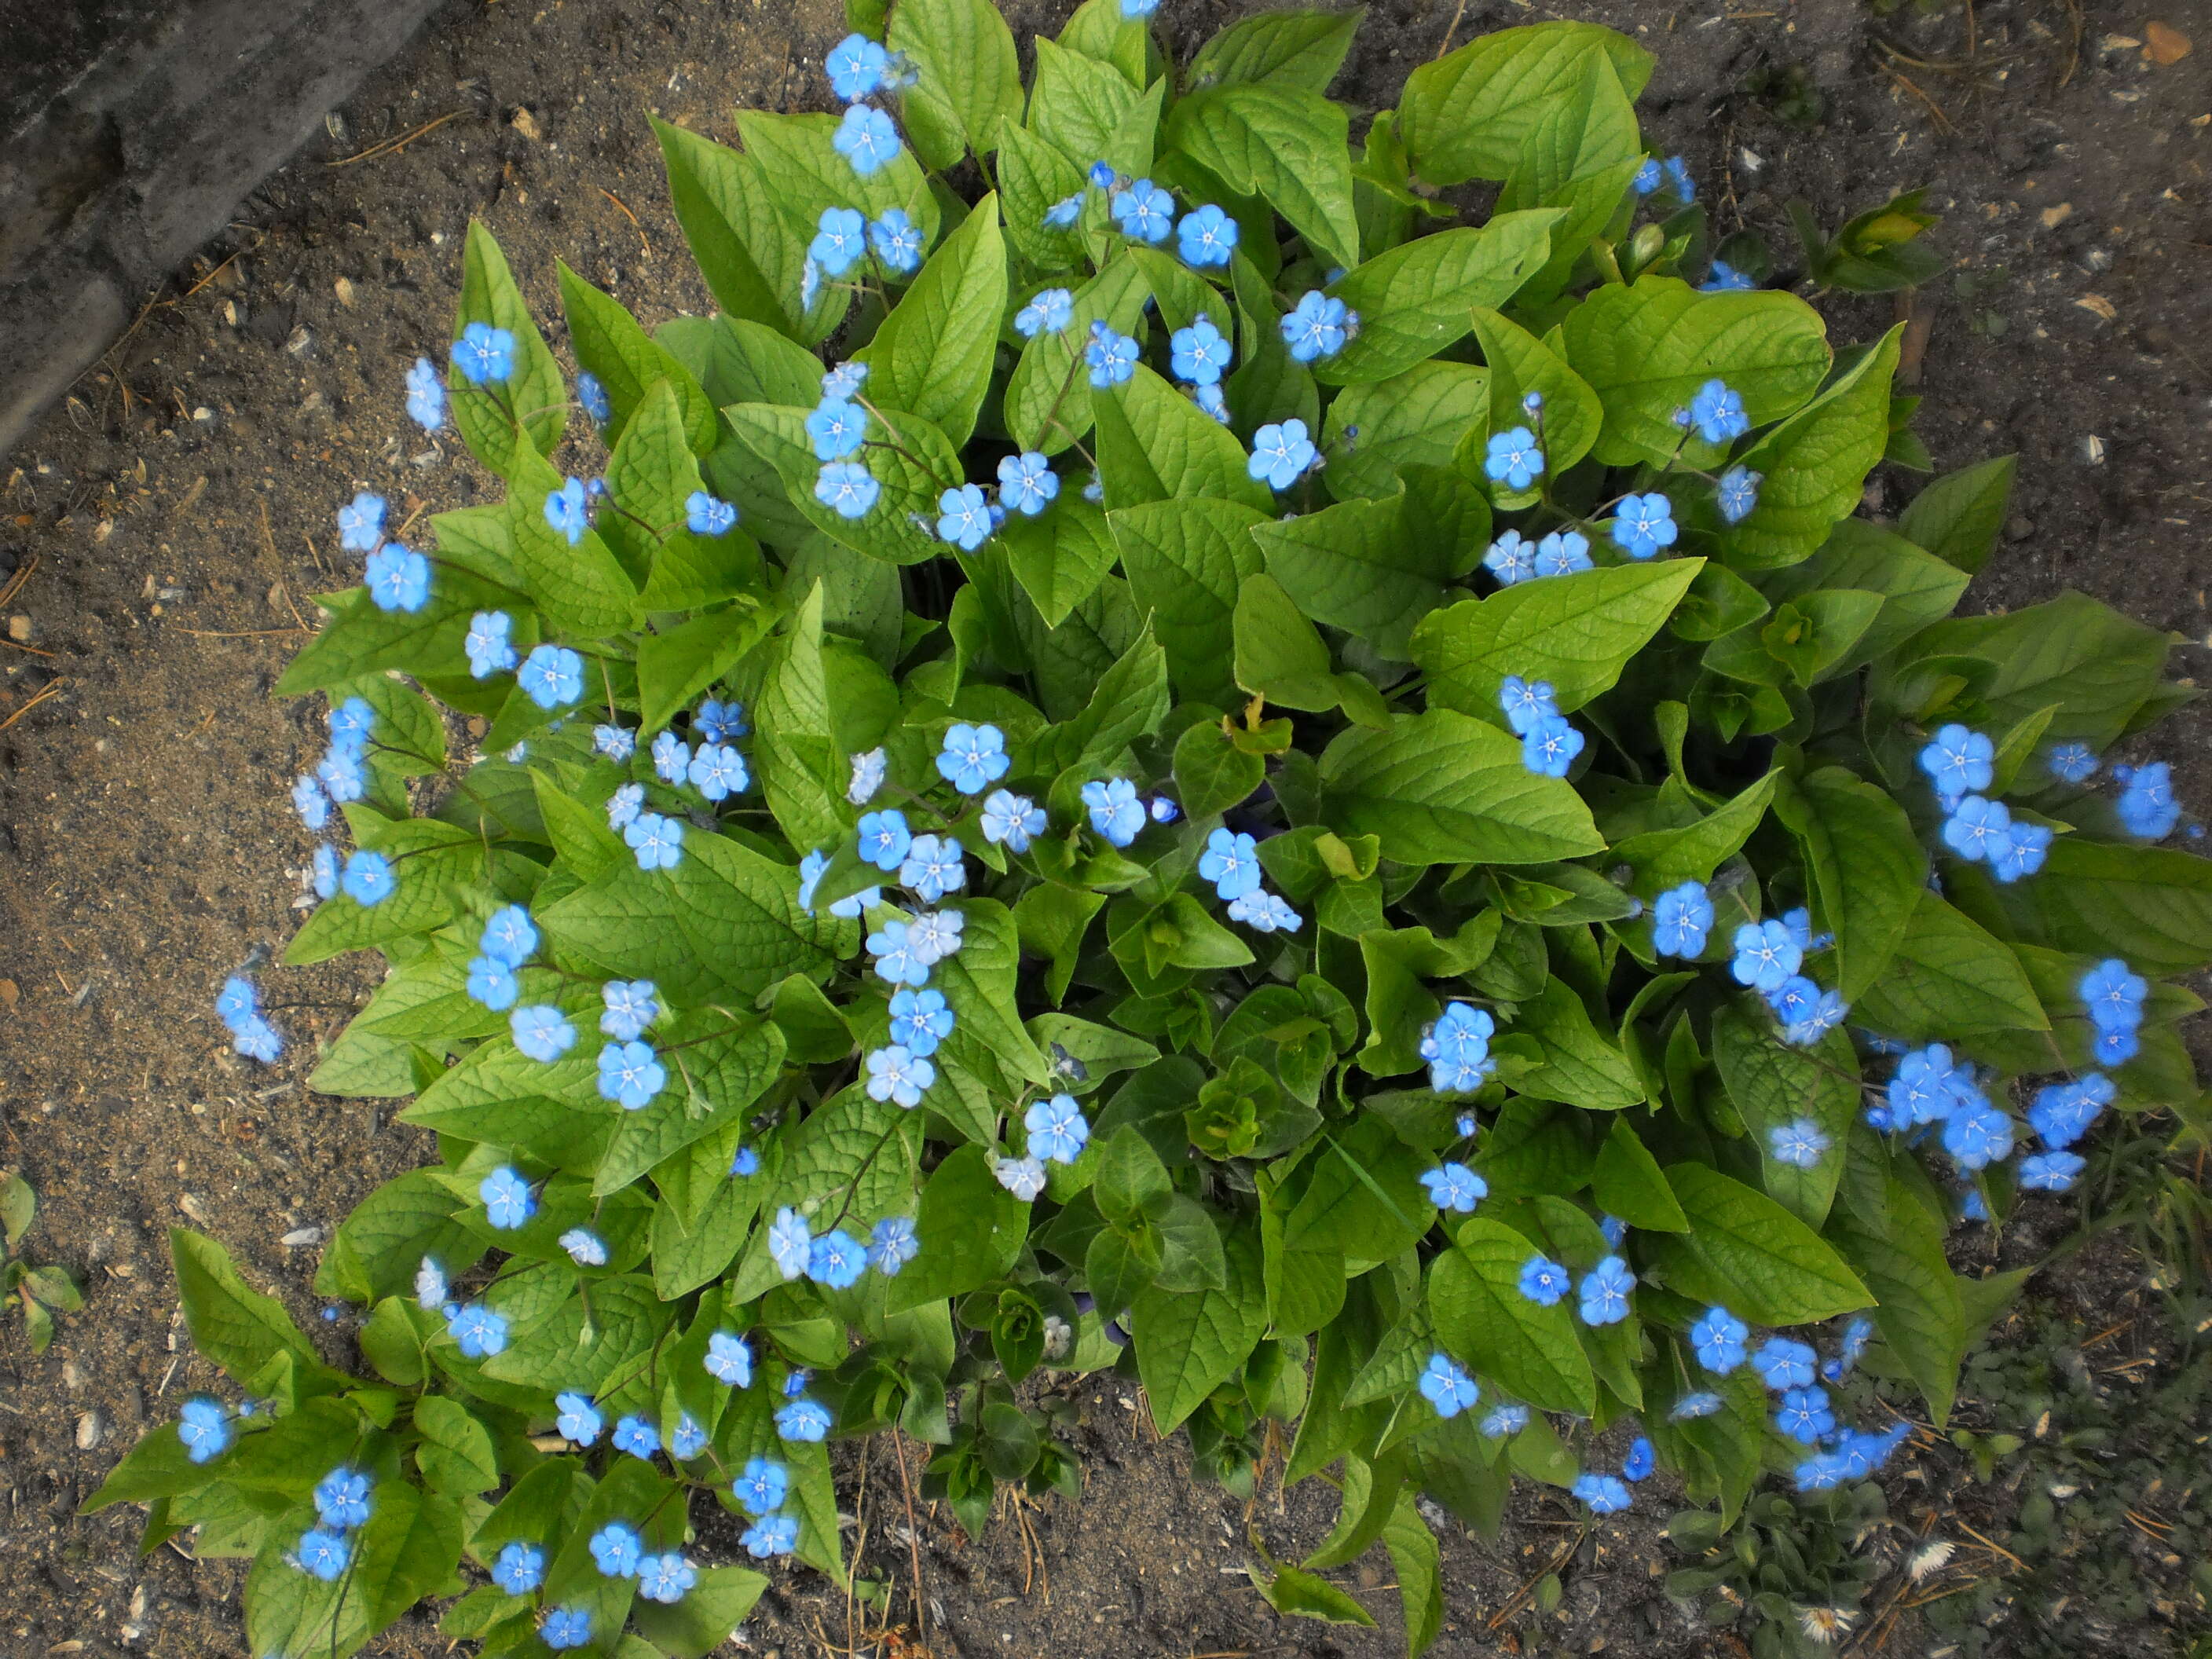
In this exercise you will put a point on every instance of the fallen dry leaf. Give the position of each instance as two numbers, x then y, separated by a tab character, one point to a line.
2165	43
2055	216
2099	305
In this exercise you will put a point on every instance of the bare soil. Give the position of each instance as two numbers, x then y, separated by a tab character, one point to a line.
168	523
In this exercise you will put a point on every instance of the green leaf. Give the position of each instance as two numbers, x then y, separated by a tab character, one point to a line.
1189	1343
2097	666
1867	866
1520	363
1419	418
456	1454
912	475
1746	1252
1578	631
968	78
979	984
1918	589
803	769
675	666
932	354
1082	105
376	1249
1581	1065
360	639
1370	568
1060	556
1297	48
610	344
805	174
1282	142
1441	788
1419	1560
1816	464
1666	858
1771	1085
726	922
234	1326
1416	299
749	258
1589	134
1896	1244
1280	654
714	1077
1211	773
1469	114
970	1229
18	1206
1156	445
579	587
1048	401
1033	173
570	1349
1187	560
1307	1596
1646	349
1628	1182
1957	517
1949	977
1526	1349
525	417
710	1610
1129	700
2152	905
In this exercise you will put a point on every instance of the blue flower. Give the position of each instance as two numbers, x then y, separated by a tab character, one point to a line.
932	866
804	1419
972	758
204	1428
672	759
897	961
476	1330
1503	1421
1722	277
510	935
486	645
718	771
1977	828
1112	357
1783	1364
844	381
1925	1087
716	721
425	396
789	1242
706	515
855	67
257	1039
1701	1403
760	1489
324	1554
1210	402
631	1005
665	1577
1648	177
1513	458
884	838
1543	1282
1318	327
1794	999
484	354
2049	1172
631	1074
897	241
1640	1461
729	1361
1049	311
1133	9
309	801
584	1247
2062	1112
367	879
1454	1187
350	724
1717	1339
1027	483
920	1021
934	935
964	518
1678	179
847	488
2020	853
237	1002
542	1032
1199	353
744	1162
1143	210
1564	553
1015	820
2071	762
1057	1129
838	1260
1231	863
1765	955
2146	807
579	1419
1957	760
1605	1494
323	871
552	676
568	511
1977	1134
1681	920
1446	1387
1457	1048
360	523
566	1628
1022	1176
1827	1011
1266	913
617	742
1115	812
1207	237
1804	1415
1548	748
520	1568
636	1436
837	429
593	396
340	773
616	1547
1604	1292
867	138
509	1200
1799	1144
342	1499
1641	524
899	1075
810	284
2113	995
770	1535
1280	453
430	1285
397	577
1737	493
1062	215
1510	558
1718	413
1526	702
658	842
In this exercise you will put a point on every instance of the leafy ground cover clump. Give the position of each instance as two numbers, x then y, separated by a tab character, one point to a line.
1174	761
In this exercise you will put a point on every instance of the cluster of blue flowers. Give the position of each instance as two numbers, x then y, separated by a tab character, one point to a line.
478	1331
238	1005
342	1507
1958	763
1768	955
1457	1049
2146	805
1672	175
1794	1371
1549	743
859	68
